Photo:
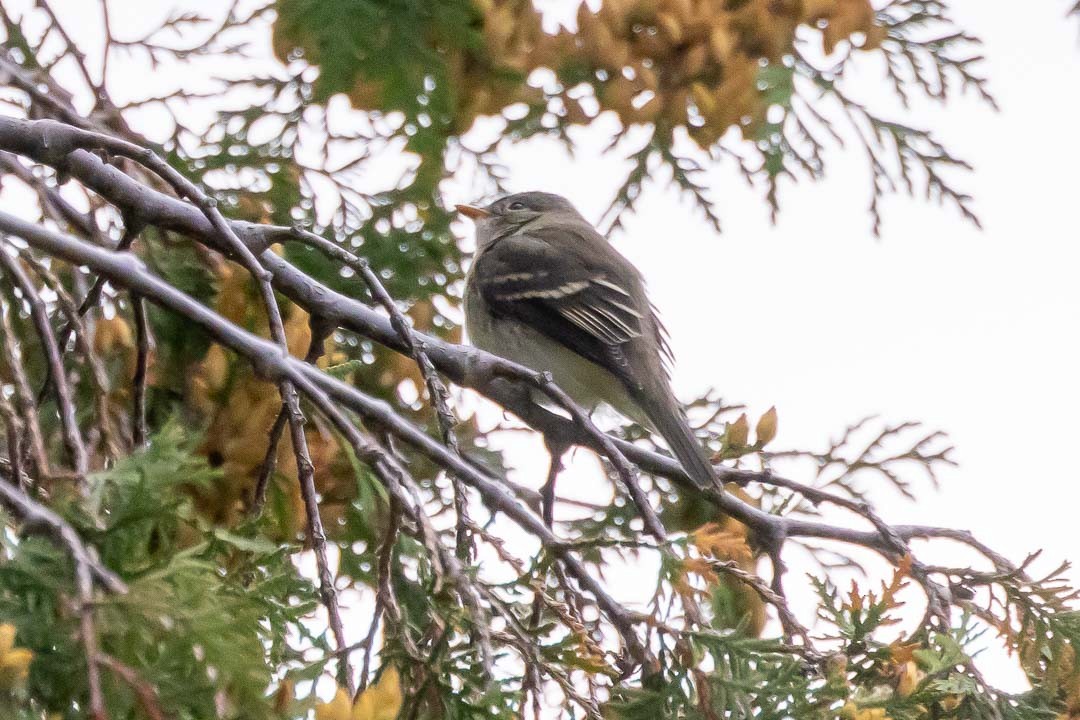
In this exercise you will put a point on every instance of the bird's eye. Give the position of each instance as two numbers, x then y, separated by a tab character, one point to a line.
517	205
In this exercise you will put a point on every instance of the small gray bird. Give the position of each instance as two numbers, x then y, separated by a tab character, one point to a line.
548	291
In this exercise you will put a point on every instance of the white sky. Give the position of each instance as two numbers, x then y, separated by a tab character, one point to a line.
972	332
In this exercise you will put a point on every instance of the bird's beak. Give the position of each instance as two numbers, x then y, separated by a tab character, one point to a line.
472	212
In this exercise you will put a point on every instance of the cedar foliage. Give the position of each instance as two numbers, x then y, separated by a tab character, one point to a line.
219	622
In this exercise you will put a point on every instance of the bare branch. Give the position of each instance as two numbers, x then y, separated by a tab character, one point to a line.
65	405
316	348
13	425
24	395
98	377
138	381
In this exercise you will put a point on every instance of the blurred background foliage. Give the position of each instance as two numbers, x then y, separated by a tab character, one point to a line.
220	621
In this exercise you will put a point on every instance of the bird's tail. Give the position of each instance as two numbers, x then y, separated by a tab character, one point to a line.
669	419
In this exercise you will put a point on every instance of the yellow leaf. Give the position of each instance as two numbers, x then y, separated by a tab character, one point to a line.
112	333
337	709
381	701
951	702
738	432
7	638
364	709
671	27
850	711
703	98
766	428
15	667
855	599
284	696
901	652
215	368
721	544
872	714
910	677
722	42
695	60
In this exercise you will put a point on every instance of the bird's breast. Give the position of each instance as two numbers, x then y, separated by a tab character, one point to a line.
585	381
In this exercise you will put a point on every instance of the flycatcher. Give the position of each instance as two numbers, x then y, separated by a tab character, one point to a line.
548	291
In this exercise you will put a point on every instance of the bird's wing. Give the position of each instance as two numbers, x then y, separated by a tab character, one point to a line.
555	283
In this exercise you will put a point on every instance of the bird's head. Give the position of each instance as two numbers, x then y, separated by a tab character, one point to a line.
513	212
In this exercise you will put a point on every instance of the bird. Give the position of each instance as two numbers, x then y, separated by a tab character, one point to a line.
548	291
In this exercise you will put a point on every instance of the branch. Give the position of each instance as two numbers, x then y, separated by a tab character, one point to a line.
47	141
65	147
14	427
776	599
125	270
24	395
316	348
98	377
64	402
500	380
93	295
138	381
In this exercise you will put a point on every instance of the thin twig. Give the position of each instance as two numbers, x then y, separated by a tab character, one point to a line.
76	53
316	348
106	51
93	296
88	636
13	425
50	197
769	595
24	396
98	377
547	510
73	441
138	381
47	98
385	599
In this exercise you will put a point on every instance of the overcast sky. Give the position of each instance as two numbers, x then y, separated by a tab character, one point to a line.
972	332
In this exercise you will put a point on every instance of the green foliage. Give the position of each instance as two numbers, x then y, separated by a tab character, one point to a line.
208	612
398	45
